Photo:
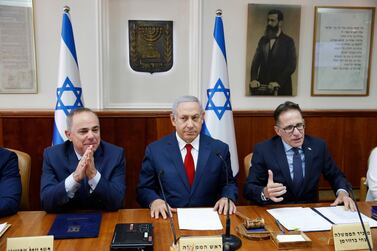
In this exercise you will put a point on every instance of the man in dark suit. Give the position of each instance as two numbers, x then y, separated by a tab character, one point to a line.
287	168
191	173
274	60
10	183
84	172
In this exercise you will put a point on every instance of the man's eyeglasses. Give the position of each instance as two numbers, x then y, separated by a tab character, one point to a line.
289	129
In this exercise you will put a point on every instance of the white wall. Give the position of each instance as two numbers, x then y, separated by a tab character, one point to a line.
90	19
47	24
126	88
235	21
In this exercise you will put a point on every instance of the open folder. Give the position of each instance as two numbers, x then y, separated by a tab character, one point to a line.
316	219
80	225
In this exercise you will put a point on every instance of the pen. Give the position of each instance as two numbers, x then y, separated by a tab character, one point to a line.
280	226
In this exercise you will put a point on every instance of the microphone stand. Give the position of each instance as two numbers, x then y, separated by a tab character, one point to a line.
168	209
230	242
361	220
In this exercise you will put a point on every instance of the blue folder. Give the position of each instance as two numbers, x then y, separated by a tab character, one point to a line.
79	225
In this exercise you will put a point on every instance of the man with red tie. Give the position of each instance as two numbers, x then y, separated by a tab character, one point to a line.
187	163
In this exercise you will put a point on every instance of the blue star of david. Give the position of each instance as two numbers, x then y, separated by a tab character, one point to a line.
68	87
219	110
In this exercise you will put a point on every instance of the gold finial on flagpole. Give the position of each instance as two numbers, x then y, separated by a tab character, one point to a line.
66	9
219	12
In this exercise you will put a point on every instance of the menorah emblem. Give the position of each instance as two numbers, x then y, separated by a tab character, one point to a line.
150	34
151	45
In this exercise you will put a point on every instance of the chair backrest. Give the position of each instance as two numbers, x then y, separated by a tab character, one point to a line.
247	163
363	189
24	166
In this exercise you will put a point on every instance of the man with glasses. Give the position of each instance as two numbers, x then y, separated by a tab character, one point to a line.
287	168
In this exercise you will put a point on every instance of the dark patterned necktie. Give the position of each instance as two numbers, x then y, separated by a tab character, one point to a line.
298	176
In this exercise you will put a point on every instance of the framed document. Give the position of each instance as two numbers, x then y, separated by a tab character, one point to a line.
342	46
17	49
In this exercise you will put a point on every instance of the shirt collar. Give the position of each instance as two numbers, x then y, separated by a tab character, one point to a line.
287	147
77	154
182	143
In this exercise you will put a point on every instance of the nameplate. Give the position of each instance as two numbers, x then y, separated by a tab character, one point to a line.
351	236
32	243
194	243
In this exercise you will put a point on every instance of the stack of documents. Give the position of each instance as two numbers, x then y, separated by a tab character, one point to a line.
316	219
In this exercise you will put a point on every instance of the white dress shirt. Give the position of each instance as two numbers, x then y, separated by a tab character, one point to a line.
372	176
194	150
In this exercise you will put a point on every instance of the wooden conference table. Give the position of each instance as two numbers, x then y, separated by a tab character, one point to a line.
33	223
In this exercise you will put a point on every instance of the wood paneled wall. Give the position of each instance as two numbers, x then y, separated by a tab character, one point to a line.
350	136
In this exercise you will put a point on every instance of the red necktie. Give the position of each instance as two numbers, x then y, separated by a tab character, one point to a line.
189	164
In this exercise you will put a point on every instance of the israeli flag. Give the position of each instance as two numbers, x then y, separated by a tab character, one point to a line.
219	117
68	91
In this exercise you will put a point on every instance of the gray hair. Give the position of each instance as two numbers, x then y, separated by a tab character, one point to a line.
184	99
74	112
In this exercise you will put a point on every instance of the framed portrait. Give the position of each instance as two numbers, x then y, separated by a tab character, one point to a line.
342	45
17	48
273	33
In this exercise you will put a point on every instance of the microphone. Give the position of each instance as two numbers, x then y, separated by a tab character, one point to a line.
230	242
350	191
161	173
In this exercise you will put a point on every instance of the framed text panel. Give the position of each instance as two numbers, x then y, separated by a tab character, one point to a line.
17	48
342	45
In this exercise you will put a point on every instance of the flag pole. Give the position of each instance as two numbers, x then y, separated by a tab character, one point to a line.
68	91
218	122
66	9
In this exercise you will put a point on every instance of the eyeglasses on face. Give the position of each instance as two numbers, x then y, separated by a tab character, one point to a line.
290	129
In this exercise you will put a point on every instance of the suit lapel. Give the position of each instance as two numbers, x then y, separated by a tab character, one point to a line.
266	50
282	161
71	157
204	152
308	162
175	156
98	158
274	48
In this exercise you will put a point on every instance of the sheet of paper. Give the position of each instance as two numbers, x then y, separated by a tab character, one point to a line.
3	228
339	215
300	218
289	237
198	219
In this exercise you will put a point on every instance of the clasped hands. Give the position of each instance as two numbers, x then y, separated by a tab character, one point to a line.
274	191
271	86
85	167
158	207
